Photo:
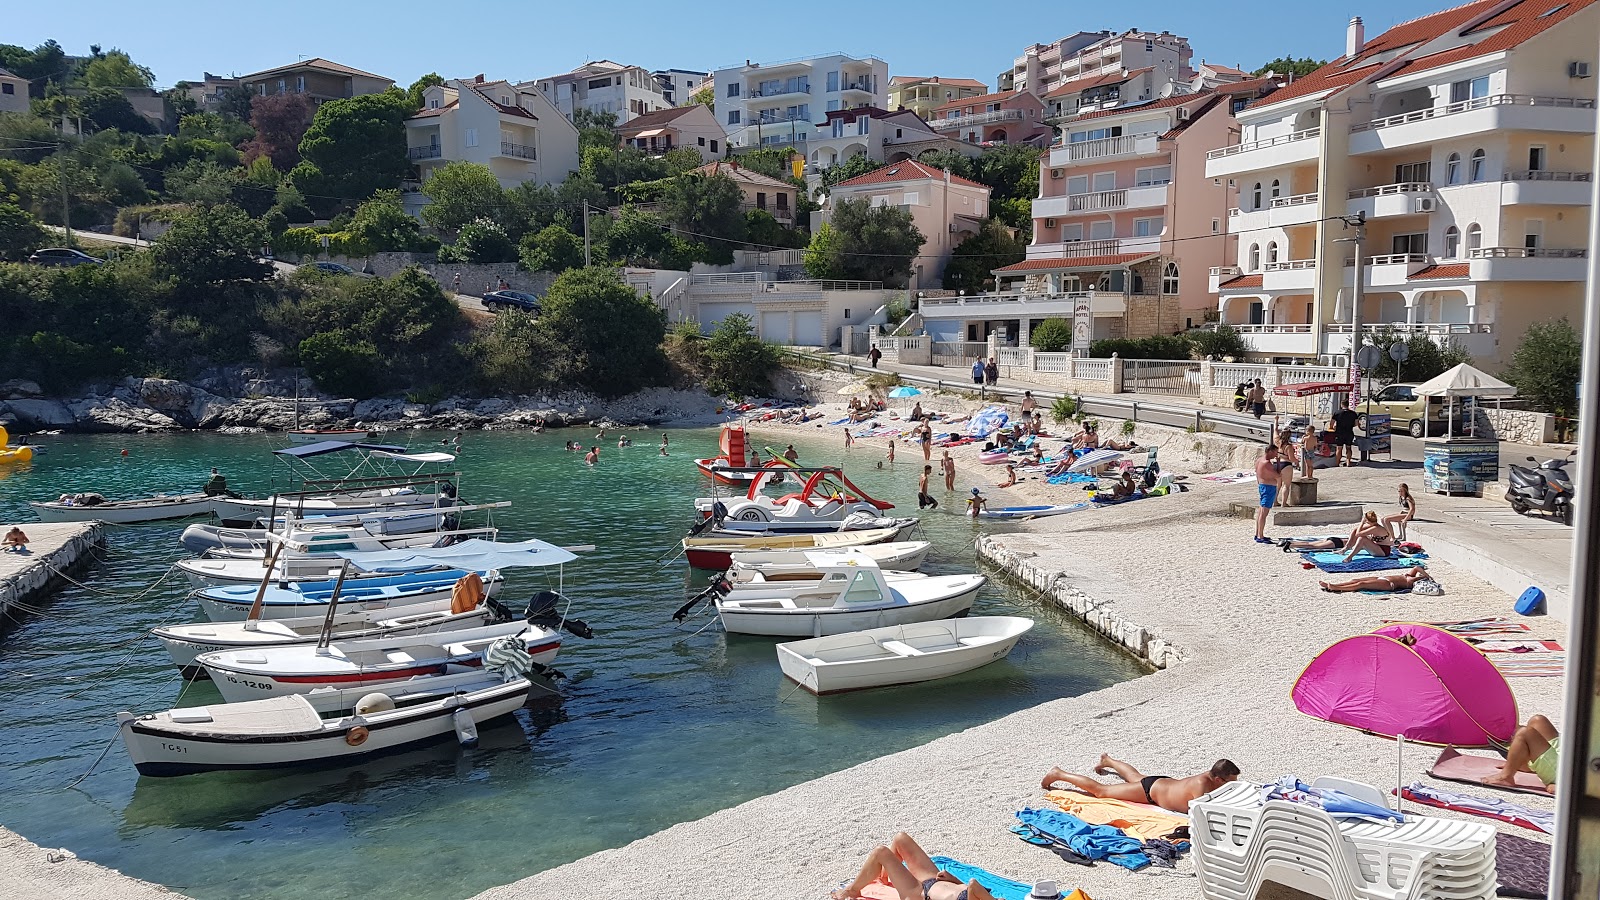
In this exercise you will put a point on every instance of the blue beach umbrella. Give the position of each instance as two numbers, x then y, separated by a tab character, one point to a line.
903	391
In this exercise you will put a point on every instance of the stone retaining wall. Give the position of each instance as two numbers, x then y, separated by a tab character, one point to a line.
1519	426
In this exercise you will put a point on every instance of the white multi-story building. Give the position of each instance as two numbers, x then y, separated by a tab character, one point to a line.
1044	67
604	86
779	104
1465	139
677	85
514	131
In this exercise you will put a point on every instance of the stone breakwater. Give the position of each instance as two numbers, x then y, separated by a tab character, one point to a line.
244	400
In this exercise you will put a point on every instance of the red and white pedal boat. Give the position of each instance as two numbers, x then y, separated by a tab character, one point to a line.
826	496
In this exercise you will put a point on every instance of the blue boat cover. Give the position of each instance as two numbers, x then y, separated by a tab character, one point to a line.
321	447
477	555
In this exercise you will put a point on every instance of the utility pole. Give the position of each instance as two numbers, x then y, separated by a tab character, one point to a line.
66	206
1359	223
586	234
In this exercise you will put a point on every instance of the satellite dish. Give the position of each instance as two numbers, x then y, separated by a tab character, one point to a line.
1369	356
1399	351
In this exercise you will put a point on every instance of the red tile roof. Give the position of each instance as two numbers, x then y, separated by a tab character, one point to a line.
1518	23
1001	96
1243	281
508	110
1093	81
909	170
1196	113
1447	270
654	119
1224	70
740	173
1249	84
1076	262
935	79
1163	103
428	113
316	62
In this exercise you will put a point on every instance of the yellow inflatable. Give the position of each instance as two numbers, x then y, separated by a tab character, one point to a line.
12	454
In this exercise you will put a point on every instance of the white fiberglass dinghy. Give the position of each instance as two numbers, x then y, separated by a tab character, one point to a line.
896	556
160	508
900	654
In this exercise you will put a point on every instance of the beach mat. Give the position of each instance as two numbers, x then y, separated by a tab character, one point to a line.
1333	561
1511	817
1453	765
1230	478
1522	866
1525	646
1475	627
1002	888
1530	665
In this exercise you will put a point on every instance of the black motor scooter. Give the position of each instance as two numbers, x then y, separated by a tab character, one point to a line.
1547	488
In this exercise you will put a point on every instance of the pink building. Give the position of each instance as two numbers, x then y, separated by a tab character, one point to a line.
1009	117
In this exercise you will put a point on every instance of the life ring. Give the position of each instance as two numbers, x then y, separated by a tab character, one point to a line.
356	736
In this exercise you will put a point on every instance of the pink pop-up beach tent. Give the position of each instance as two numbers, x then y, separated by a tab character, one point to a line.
1410	680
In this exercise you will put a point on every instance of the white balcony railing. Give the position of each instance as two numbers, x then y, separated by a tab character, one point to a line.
1545	175
1123	145
1451	109
432	151
1391	259
983	118
1525	253
520	151
1296	200
1097	200
1291	265
1305	135
1384	190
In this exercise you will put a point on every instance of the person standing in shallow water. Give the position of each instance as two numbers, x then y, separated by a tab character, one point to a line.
948	463
924	499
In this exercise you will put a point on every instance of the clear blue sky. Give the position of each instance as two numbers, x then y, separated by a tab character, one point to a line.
403	39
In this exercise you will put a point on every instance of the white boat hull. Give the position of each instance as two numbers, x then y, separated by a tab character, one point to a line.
129	512
232	603
211	571
903	654
342	505
162	747
898	556
317	435
776	619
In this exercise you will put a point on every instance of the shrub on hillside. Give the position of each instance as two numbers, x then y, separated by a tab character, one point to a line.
734	360
1160	346
1051	336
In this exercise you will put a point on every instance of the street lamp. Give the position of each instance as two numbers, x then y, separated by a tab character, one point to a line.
1359	222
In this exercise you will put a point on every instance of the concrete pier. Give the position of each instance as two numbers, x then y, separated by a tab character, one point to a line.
52	548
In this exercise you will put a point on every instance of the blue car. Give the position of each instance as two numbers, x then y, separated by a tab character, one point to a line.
63	256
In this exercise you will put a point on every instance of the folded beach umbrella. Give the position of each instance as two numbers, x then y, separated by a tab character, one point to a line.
1094	459
1410	680
850	389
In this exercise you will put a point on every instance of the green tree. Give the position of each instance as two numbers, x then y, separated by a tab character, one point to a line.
734	360
607	337
974	260
552	249
1221	342
109	108
1011	172
461	192
414	93
850	168
953	161
1424	359
706	96
212	245
382	224
772	162
200	181
280	123
515	356
482	241
612	168
636	237
869	243
342	363
114	69
681	159
121	185
1547	365
20	233
356	146
595	129
42	66
1051	336
27	137
762	230
1288	65
709	208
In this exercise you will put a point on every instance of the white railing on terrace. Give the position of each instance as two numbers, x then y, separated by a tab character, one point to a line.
1112	146
1073	367
983	118
1019	297
1092	248
1451	109
726	278
1546	175
1290	265
1271	329
1310	374
1097	200
1382	190
1221	152
1525	253
1296	200
673	293
1226	271
1227	375
1431	329
1012	356
1390	259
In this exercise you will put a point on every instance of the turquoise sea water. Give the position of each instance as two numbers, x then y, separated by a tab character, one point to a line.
657	724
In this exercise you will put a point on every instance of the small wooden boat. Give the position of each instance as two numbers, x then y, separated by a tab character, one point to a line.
896	556
849	595
316	435
287	731
159	508
901	654
298	669
715	551
1031	512
311	598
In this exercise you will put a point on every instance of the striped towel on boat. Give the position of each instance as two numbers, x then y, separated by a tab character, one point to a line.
508	657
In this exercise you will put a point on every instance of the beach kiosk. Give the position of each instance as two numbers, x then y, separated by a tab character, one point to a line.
1461	464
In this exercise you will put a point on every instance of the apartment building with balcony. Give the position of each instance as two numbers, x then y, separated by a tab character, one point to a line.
1465	138
945	208
516	132
923	95
781	103
678	85
879	135
319	79
1008	117
760	191
603	86
1043	68
693	126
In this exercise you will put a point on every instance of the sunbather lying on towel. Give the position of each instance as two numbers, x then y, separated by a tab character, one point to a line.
1388	581
1160	790
912	874
1534	748
1293	545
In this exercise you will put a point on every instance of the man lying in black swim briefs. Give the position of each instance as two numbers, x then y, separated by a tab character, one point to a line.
1164	791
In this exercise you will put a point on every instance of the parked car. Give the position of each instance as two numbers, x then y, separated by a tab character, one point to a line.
1417	416
494	301
63	256
331	268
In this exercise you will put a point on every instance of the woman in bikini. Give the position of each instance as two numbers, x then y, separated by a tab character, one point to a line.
1408	511
911	873
1371	536
1285	466
1390	581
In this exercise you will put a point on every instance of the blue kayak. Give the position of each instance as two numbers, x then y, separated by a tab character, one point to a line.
1028	512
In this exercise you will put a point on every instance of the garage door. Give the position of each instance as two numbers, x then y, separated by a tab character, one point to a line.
712	313
775	327
808	329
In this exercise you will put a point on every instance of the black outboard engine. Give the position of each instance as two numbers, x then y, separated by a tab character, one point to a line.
544	611
719	587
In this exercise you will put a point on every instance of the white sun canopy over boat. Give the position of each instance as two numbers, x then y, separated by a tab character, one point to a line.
432	456
476	554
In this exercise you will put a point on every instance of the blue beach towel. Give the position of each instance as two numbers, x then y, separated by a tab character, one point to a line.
1072	478
1098	842
1002	888
1333	561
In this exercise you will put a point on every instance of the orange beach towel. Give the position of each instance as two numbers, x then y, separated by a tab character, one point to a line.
467	594
1139	820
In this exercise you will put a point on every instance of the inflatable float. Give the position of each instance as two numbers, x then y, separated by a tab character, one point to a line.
13	454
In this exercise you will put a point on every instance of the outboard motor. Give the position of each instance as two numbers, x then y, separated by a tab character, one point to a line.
544	611
719	587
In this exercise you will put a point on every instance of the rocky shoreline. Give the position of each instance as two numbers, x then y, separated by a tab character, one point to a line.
247	400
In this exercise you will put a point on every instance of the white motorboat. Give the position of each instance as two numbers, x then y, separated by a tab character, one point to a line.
254	674
851	595
313	531
318	435
287	731
715	550
395	593
826	496
160	508
356	491
900	654
896	556
208	571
